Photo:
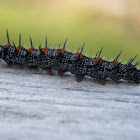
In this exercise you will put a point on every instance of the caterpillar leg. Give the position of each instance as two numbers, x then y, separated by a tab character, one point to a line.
79	77
61	73
9	64
102	81
49	71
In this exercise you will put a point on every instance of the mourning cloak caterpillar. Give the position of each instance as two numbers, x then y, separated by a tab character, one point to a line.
65	61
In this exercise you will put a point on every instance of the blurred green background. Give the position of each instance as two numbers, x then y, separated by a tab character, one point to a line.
115	24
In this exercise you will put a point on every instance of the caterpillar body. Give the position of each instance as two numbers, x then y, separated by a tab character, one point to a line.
65	61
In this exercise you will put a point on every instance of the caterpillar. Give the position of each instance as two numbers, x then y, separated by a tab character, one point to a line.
64	61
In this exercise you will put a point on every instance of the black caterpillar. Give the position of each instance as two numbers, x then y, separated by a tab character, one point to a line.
76	63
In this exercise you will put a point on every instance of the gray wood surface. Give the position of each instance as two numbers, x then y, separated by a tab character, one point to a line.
37	106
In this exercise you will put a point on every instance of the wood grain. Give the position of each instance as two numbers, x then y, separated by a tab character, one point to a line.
34	105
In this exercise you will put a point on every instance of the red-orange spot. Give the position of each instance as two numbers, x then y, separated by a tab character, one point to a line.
61	50
44	49
7	45
97	59
114	63
49	71
30	50
79	54
79	78
61	73
18	48
57	50
102	81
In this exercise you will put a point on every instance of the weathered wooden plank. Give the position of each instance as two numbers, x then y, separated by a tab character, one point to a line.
39	106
